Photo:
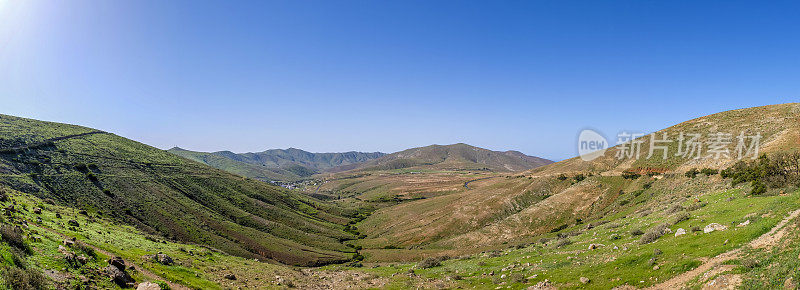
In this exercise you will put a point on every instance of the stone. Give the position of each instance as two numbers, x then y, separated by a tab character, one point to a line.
585	280
230	276
117	262
744	223
163	259
680	232
714	227
120	277
37	210
148	286
656	267
542	285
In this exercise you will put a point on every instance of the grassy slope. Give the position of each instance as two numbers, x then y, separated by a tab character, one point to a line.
162	193
507	210
621	259
196	267
277	164
236	167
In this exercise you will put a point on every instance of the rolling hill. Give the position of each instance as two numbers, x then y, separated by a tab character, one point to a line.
276	164
528	204
158	192
454	157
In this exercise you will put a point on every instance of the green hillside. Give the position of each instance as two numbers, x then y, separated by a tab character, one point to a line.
276	164
158	192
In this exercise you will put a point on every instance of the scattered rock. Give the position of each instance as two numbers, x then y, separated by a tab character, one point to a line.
119	277
656	267
744	223
117	262
230	276
585	280
680	232
594	246
789	284
714	227
148	286
37	210
69	243
543	285
163	259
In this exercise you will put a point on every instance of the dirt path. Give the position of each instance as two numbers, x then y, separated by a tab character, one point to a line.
466	184
767	239
139	268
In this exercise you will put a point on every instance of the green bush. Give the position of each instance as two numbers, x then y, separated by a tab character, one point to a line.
709	171
17	278
652	235
431	262
692	173
562	177
630	175
758	188
13	237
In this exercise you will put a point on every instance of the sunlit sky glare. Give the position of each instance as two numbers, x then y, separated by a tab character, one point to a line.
332	76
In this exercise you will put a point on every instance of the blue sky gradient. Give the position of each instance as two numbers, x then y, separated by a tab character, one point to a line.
328	76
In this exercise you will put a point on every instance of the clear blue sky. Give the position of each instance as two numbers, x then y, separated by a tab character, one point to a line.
330	76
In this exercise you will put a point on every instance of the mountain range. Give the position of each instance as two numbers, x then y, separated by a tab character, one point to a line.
294	164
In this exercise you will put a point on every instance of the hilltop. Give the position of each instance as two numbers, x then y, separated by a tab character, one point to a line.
276	164
455	157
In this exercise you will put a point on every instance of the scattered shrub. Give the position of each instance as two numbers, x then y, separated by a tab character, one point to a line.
750	263
758	187
559	228
562	242
653	234
692	173
696	206
431	262
18	278
630	175
709	171
649	237
675	208
562	177
684	216
13	237
89	251
580	177
636	232
779	170
81	167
